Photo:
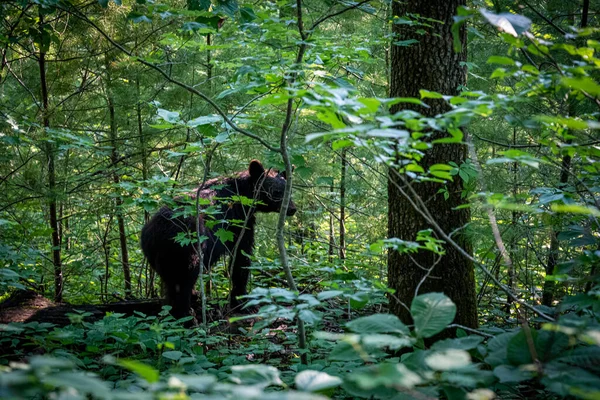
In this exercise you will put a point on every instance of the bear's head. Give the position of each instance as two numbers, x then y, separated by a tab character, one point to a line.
269	186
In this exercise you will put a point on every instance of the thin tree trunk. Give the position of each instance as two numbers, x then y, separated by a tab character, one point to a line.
513	243
343	206
331	251
209	67
430	64
50	159
549	291
114	158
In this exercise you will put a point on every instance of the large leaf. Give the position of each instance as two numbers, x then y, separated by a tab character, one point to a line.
145	371
510	23
378	323
464	343
259	375
508	373
432	313
521	346
448	360
316	381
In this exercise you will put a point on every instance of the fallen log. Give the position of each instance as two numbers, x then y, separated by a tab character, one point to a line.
28	306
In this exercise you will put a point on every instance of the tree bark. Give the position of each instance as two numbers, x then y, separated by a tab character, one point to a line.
50	159
430	64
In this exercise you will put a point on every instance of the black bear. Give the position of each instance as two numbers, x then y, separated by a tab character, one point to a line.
178	265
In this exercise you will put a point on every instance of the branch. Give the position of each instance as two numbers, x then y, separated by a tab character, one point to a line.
335	14
549	22
189	88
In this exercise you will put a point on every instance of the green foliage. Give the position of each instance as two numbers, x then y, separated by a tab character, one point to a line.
529	114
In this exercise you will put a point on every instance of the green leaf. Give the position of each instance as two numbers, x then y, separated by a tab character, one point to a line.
512	24
509	373
145	371
448	360
432	313
584	84
316	381
519	348
169	116
340	144
344	351
224	235
405	43
457	137
172	355
378	323
309	316
328	294
204	120
359	300
82	382
381	341
464	343
500	60
259	375
575	209
426	94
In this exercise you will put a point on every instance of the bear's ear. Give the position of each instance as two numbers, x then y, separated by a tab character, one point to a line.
256	169
284	175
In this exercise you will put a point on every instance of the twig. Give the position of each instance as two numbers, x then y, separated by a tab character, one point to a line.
189	88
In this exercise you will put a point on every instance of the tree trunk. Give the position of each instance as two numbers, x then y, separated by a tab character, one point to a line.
343	206
429	64
330	251
50	158
114	158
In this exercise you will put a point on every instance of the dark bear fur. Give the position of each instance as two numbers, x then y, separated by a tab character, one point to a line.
178	265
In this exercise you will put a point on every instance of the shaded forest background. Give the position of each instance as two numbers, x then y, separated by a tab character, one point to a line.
111	109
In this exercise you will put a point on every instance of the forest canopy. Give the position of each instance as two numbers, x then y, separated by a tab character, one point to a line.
409	192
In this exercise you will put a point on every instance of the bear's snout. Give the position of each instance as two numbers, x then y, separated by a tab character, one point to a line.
291	209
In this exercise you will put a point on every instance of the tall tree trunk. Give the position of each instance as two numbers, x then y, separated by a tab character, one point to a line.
114	158
549	291
50	159
331	251
430	64
513	240
343	206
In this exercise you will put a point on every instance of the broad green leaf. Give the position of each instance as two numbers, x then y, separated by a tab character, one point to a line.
509	373
457	137
447	360
80	381
204	120
392	375
340	144
432	313
328	294
169	116
260	375
172	355
145	371
500	60
378	323
382	341
359	300
464	343
575	209
427	94
512	24
224	235
584	84
316	381
521	346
